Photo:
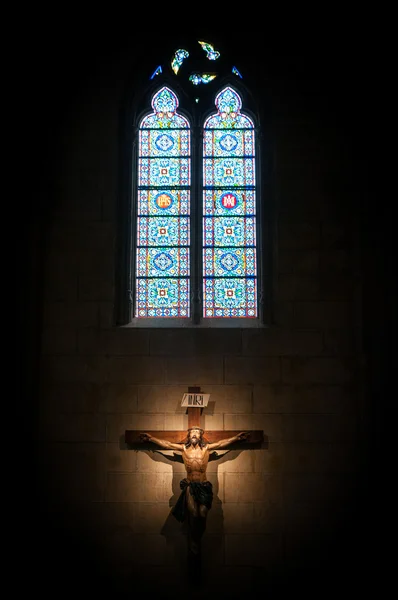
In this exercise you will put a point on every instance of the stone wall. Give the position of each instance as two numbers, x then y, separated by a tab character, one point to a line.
281	514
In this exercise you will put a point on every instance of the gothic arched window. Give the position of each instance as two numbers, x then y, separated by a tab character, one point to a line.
191	202
162	241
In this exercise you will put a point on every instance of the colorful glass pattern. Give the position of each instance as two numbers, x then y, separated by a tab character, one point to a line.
196	78
162	262
178	58
229	231
230	297
163	231
229	215
211	53
162	297
163	215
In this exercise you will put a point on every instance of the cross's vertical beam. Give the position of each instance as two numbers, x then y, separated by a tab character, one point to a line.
194	412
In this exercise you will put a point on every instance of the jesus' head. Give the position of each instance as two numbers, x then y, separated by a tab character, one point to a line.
195	436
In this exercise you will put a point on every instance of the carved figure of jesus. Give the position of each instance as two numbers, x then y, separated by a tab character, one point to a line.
196	495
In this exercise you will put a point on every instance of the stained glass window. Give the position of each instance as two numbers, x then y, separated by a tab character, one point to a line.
163	218
229	214
193	254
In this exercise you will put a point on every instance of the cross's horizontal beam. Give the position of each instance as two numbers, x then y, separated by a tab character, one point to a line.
132	437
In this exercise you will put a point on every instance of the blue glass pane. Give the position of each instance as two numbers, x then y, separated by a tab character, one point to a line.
227	262
175	142
229	172
157	71
229	231
162	262
162	298
230	298
229	143
229	121
163	231
164	121
163	202
164	171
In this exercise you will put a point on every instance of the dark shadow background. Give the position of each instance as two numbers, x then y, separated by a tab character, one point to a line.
333	78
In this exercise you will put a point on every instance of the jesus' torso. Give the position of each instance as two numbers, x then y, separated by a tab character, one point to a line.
195	461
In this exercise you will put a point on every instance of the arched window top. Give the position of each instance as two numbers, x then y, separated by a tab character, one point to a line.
164	104
228	103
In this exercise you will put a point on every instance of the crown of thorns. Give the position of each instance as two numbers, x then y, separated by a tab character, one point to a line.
196	427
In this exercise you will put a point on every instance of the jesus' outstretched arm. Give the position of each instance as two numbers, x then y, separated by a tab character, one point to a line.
240	437
146	437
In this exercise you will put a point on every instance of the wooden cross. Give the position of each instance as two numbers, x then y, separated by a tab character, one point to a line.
132	437
196	524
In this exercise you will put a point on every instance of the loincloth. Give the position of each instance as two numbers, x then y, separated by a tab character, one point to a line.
202	493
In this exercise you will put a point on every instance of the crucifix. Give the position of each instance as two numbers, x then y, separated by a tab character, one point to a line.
195	445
